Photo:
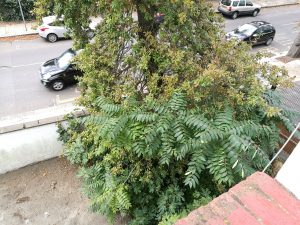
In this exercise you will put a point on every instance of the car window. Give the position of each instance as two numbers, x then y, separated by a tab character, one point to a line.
246	29
57	23
242	3
249	3
267	29
64	60
235	3
259	31
226	2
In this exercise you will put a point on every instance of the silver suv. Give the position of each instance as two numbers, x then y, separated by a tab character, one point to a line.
234	8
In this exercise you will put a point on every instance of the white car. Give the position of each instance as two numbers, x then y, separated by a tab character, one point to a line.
235	8
54	28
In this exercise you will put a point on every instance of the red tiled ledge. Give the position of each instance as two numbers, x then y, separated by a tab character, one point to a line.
257	200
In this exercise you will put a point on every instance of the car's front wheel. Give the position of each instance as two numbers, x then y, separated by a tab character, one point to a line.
57	85
269	41
52	38
234	15
255	12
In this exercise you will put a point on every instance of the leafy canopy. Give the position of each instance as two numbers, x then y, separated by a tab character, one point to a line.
178	115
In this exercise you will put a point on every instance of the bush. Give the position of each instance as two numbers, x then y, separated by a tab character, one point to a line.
178	115
10	10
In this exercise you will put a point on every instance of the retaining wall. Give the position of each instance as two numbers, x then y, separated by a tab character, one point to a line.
32	137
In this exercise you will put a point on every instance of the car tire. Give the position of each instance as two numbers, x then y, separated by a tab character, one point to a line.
255	12
57	85
90	34
52	38
269	41
234	15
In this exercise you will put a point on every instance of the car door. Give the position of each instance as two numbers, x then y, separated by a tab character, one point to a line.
242	7
71	74
257	36
249	7
268	32
59	28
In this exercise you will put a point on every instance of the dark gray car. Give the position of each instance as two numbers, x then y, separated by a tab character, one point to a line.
58	72
255	33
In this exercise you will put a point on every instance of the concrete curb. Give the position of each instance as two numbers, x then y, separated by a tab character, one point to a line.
39	117
16	35
274	6
269	6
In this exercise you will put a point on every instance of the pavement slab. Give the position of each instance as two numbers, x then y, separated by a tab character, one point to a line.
46	193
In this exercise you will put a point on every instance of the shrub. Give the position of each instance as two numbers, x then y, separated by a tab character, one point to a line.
178	115
10	10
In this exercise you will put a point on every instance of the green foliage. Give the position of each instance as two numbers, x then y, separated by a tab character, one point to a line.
178	115
155	157
10	10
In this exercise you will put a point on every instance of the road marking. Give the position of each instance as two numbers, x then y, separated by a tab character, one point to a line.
58	101
18	66
288	24
296	31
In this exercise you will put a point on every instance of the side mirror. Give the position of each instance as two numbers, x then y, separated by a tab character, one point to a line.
255	35
71	67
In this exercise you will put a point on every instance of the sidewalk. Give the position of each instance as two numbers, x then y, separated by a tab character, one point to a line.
18	28
263	3
8	29
290	96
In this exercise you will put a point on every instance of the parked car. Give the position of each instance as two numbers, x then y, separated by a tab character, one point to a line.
255	33
53	29
58	72
235	8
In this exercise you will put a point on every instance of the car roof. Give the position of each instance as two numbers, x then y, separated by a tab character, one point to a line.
259	23
50	19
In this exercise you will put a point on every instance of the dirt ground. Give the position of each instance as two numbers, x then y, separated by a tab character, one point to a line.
46	193
20	37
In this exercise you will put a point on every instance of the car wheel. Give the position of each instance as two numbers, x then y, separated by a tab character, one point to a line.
255	12
52	38
269	41
90	34
234	15
57	85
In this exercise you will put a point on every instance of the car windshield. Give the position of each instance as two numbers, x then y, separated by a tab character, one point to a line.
226	2
64	60
246	29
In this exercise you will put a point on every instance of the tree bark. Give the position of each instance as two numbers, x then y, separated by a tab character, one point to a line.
294	51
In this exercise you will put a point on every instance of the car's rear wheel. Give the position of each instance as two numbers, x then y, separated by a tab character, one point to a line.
90	34
57	85
269	41
255	12
52	38
234	15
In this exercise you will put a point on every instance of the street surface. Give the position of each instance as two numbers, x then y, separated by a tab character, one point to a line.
20	87
285	19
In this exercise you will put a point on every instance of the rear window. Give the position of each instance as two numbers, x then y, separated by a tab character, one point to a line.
226	2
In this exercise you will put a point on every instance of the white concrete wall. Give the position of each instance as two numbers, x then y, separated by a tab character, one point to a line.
27	146
289	174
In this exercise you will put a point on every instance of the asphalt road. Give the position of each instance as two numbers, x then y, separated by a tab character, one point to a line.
21	90
285	19
20	87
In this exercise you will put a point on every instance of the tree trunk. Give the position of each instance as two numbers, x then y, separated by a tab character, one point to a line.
294	51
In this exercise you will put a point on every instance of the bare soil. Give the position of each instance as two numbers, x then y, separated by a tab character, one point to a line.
285	59
46	193
20	37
